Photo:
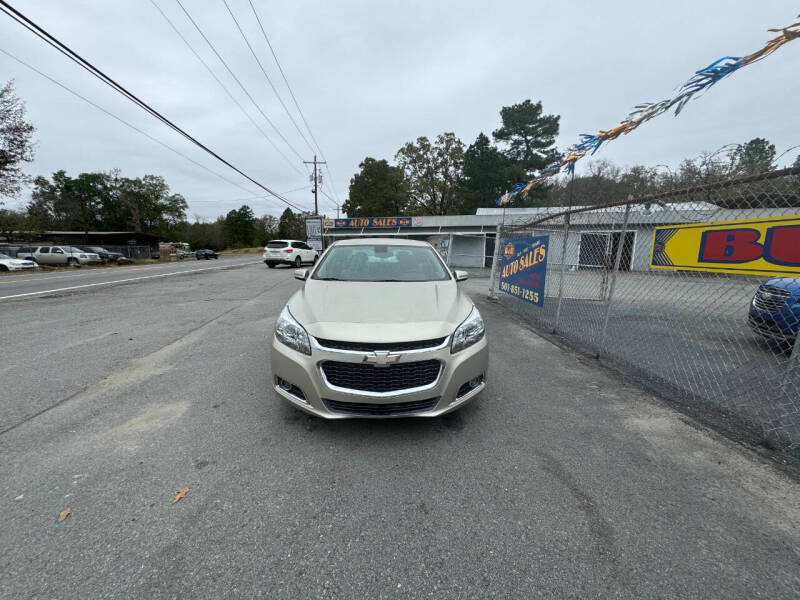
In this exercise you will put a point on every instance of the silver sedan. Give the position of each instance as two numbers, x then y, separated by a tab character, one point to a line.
379	329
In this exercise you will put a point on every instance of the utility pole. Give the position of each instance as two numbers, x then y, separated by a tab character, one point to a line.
337	211
315	179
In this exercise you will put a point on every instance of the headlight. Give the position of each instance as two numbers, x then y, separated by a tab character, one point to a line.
469	332
290	332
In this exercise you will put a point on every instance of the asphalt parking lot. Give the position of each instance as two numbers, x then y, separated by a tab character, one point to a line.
561	481
687	337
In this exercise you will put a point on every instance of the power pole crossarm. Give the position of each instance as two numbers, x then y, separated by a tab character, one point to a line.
316	179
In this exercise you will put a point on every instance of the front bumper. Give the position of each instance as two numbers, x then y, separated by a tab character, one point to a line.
780	325
305	374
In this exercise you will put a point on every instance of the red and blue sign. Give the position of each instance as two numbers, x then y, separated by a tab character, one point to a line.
764	246
523	267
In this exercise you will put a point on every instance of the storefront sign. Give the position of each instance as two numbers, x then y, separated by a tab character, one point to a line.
768	246
374	222
523	268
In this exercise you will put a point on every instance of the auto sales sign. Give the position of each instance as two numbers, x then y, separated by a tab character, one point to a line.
523	267
767	246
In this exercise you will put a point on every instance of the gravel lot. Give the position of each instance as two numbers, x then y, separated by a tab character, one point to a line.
561	481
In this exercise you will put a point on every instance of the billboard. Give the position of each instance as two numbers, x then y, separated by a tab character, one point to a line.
376	222
314	232
765	246
523	267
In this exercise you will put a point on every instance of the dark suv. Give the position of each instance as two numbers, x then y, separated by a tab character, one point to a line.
105	255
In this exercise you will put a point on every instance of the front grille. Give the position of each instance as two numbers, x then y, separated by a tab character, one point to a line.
369	378
371	346
770	299
366	408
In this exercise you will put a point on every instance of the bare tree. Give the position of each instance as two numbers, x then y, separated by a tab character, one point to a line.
16	145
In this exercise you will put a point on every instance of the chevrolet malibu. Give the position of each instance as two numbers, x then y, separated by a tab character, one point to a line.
379	329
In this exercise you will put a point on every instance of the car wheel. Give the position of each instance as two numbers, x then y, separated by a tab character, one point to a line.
198	258
3	268
298	263
271	265
316	256
71	262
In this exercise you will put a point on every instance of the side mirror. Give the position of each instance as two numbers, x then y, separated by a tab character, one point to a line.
301	274
461	275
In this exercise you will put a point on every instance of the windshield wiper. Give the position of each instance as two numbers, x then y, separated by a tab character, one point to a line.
328	279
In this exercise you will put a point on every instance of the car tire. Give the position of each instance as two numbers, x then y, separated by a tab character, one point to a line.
71	262
3	268
298	263
316	256
271	265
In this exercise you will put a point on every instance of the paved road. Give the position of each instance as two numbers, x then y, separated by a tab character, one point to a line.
559	482
28	284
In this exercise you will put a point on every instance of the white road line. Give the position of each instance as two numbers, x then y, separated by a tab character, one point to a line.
88	285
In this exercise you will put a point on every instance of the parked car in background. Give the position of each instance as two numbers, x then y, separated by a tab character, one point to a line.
105	255
15	264
64	255
775	310
289	252
205	254
26	252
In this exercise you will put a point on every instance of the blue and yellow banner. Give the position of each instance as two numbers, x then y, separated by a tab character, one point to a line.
523	267
768	246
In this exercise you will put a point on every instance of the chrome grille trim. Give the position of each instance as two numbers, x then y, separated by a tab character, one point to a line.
315	343
391	394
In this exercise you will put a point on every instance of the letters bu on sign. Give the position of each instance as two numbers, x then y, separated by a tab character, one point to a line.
769	246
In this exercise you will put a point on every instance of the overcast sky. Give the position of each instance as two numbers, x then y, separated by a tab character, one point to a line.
371	76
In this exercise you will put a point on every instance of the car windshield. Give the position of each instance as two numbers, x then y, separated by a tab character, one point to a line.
381	262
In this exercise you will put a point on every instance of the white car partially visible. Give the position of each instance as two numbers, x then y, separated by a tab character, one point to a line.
15	264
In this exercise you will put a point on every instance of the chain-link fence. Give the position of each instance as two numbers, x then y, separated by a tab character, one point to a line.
675	290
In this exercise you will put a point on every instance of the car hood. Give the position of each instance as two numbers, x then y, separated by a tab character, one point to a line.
790	284
379	312
16	262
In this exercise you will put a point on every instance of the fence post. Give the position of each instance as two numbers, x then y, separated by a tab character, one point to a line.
562	272
495	259
601	345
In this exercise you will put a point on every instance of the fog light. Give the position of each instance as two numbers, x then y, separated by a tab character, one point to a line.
469	386
291	389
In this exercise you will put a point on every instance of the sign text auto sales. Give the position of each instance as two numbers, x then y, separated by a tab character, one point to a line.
523	268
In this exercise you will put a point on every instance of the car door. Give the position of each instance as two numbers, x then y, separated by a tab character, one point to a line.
42	255
300	250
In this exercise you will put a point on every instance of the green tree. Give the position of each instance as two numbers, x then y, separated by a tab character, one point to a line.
379	189
528	135
753	157
240	227
12	223
16	142
487	174
434	172
292	225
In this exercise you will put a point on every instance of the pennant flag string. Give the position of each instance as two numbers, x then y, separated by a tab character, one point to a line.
701	81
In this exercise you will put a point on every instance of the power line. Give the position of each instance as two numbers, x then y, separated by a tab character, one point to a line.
76	58
232	74
225	88
294	99
269	81
126	123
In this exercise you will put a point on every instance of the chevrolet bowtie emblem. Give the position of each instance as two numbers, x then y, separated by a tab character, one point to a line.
381	358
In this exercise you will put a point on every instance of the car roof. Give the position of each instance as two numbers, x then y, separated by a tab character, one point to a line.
381	241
